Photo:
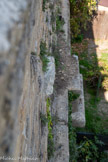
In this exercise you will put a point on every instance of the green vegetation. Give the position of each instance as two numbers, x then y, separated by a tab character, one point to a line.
47	119
44	5
43	119
103	62
92	72
59	24
57	27
73	96
92	75
43	55
50	134
51	6
95	74
77	39
81	12
57	21
72	134
94	121
86	150
89	68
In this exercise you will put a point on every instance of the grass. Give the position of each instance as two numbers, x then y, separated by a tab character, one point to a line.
43	55
103	62
89	68
92	70
94	121
50	148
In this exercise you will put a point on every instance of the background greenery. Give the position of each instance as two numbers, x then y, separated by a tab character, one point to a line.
81	11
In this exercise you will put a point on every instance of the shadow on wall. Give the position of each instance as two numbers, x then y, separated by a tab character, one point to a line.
97	35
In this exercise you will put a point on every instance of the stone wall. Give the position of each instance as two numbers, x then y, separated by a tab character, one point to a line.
100	24
24	85
22	96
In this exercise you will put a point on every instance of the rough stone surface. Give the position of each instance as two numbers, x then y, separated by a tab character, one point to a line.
100	24
78	112
67	78
25	87
22	95
78	119
50	76
10	12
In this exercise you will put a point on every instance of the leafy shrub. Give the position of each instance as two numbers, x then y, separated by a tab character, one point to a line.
87	151
81	12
